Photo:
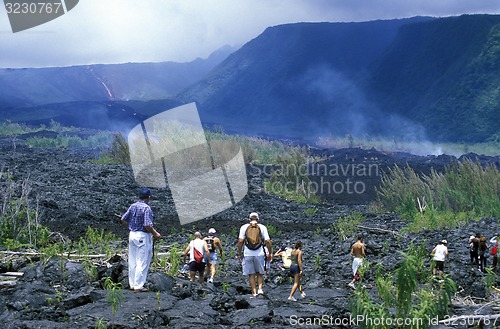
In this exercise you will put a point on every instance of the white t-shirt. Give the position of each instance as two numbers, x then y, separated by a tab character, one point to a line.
440	253
199	244
265	237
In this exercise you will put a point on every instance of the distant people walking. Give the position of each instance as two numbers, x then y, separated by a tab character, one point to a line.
267	263
358	251
296	269
475	250
440	253
471	248
213	243
198	252
483	253
139	218
251	239
494	251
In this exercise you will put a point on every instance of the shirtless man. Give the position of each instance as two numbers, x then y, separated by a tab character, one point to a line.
358	251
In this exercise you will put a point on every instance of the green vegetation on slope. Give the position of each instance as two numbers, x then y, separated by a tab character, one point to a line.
463	192
445	75
62	139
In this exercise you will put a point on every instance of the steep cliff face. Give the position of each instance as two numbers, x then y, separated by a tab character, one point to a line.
418	78
444	74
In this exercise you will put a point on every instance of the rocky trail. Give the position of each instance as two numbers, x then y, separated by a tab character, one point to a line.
74	194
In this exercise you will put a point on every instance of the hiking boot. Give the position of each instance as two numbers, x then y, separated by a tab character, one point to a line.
303	295
260	292
352	285
210	280
292	299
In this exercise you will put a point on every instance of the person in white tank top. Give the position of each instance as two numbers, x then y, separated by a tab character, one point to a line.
198	253
440	253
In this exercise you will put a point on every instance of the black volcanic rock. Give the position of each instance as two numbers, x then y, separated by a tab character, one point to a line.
58	293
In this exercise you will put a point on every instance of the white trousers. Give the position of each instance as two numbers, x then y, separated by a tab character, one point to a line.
140	252
356	263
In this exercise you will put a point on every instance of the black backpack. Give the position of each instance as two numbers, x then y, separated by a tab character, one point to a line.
211	244
253	237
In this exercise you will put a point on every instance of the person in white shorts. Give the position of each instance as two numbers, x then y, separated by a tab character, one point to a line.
252	258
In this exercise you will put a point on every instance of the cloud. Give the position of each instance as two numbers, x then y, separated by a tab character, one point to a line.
117	31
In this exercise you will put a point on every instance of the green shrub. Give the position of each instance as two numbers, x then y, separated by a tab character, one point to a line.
174	260
273	231
19	217
403	294
114	296
289	179
347	226
118	153
99	140
11	129
463	192
256	150
98	240
309	212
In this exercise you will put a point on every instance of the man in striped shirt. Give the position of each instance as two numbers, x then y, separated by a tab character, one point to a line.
139	218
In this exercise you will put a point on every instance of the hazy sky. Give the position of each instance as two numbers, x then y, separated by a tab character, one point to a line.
118	31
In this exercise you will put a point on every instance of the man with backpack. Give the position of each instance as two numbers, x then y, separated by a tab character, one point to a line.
198	251
213	242
475	249
251	240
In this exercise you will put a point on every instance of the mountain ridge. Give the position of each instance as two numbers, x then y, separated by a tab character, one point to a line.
26	87
410	79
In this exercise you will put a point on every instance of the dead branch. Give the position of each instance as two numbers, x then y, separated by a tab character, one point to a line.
70	255
10	283
421	205
32	253
12	274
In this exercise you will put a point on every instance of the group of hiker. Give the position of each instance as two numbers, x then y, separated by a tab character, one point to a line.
255	251
203	252
479	251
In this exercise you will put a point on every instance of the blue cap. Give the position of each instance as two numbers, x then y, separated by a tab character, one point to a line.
144	192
